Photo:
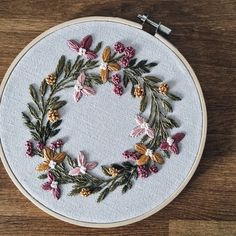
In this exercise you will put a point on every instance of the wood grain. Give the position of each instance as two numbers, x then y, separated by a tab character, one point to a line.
204	31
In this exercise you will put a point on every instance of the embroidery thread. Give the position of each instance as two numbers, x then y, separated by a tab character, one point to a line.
43	120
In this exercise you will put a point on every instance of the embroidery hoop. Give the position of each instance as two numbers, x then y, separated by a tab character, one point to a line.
200	149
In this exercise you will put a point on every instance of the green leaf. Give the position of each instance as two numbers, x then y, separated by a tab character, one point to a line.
60	66
33	93
152	64
125	80
35	136
105	170
56	124
113	186
173	97
25	117
132	62
54	132
67	68
141	64
127	165
166	105
33	111
124	189
152	79
143	103
98	47
172	121
42	176
75	191
103	194
57	105
43	88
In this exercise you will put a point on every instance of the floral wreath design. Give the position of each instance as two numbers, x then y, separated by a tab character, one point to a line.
43	120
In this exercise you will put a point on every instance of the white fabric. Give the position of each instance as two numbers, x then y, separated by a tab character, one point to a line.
100	125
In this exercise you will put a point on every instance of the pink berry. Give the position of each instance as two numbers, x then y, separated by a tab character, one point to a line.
116	78
59	143
124	62
153	169
118	90
129	52
119	47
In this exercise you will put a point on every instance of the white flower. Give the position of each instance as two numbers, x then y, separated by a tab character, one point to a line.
170	141
103	65
54	184
82	51
52	164
149	153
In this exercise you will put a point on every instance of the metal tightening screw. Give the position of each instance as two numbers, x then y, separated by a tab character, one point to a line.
159	27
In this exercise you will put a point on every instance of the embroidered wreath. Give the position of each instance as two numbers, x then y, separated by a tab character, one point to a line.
43	120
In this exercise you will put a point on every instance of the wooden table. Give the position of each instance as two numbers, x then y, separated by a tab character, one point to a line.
204	31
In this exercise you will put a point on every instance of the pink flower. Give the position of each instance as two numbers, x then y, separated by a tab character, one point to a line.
29	150
142	128
129	52
119	47
81	89
83	166
171	143
83	47
116	78
52	185
118	90
124	62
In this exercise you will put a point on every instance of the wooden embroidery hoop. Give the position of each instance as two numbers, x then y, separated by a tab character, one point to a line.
200	149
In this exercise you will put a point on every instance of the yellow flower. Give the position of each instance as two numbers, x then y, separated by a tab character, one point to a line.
147	154
50	159
51	79
138	91
163	88
85	192
53	115
107	65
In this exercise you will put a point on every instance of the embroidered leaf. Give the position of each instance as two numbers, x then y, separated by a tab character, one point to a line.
173	97
113	186
103	195
27	121
152	64
132	62
74	191
152	79
56	124
33	111
143	103
124	189
98	47
35	135
105	170
172	122
127	165
60	66
125	80
42	176
67	68
43	88
166	105
141	64
57	105
33	93
54	132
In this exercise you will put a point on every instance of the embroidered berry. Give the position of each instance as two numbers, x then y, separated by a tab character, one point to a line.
129	52
127	154
59	143
163	88
53	115
29	150
53	146
51	79
143	171
85	192
116	79
138	92
118	90
113	171
153	169
119	47
40	146
124	62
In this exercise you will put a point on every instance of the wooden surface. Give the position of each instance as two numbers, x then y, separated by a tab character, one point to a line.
204	31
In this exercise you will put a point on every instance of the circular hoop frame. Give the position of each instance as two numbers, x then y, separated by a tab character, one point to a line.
200	149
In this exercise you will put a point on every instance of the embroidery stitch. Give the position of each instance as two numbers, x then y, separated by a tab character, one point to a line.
43	120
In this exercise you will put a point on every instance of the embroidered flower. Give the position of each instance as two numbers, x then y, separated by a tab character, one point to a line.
40	146
52	185
50	159
107	65
83	47
29	150
171	143
53	115
116	78
118	90
83	166
163	88
51	79
142	128
85	192
119	47
138	91
129	52
81	89
124	62
147	154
